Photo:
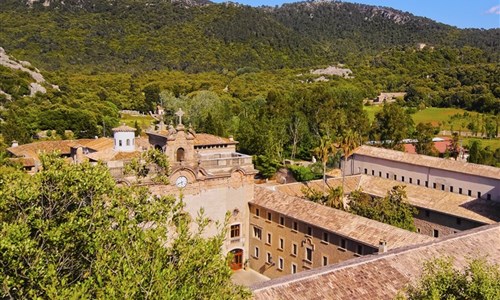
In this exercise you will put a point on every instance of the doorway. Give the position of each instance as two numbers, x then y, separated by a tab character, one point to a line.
237	262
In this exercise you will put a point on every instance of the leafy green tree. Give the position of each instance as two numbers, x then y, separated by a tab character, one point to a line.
349	141
69	232
424	133
324	151
441	280
392	125
392	209
267	166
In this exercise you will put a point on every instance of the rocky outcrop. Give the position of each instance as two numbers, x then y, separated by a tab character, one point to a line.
35	87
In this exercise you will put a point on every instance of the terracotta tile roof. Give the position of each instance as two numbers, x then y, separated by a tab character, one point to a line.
381	276
463	206
32	150
449	203
24	161
96	144
355	227
123	128
202	139
111	155
295	189
429	161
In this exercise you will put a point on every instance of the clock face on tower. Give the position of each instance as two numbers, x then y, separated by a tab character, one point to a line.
181	182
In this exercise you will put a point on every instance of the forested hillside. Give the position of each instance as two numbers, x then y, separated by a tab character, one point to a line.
133	35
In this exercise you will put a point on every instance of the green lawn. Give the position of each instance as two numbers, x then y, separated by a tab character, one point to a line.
493	143
144	121
434	115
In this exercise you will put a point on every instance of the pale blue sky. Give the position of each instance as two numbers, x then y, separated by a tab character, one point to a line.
460	13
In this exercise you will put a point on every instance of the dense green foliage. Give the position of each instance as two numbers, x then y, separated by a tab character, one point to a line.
69	232
441	280
137	35
484	156
301	173
392	209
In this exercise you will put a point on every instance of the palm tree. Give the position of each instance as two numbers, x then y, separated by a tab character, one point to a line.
325	149
349	141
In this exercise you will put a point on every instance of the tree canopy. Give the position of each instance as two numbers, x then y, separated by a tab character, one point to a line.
69	232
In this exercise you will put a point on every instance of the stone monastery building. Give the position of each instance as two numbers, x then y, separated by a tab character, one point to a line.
311	251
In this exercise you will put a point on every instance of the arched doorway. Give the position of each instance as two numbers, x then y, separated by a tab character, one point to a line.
180	154
237	262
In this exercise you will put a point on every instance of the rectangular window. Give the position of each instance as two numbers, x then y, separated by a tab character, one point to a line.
478	194
418	181
269	216
387	175
295	226
402	179
294	249
460	191
282	244
257	233
411	180
309	254
282	220
379	174
325	260
451	188
281	262
343	243
309	230
426	183
435	233
359	250
434	185
235	230
418	230
373	172
443	187
325	237
294	268
366	171
269	258
257	212
395	177
268	239
256	252
469	193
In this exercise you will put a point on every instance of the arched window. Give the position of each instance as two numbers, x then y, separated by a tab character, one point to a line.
180	154
128	142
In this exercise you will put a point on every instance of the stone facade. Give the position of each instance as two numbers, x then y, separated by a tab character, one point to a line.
281	245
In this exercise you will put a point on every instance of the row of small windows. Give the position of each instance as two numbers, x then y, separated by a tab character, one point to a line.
325	238
434	185
211	147
308	256
128	142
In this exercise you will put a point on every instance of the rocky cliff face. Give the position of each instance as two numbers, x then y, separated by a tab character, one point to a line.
38	84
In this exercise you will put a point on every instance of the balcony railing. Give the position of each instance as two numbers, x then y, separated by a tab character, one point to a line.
233	160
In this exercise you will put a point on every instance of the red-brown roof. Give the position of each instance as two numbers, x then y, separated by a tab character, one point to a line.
382	276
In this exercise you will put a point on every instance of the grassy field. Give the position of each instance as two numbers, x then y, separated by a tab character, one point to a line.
493	143
434	115
144	121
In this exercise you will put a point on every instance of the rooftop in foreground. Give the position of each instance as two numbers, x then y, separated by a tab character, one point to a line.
381	276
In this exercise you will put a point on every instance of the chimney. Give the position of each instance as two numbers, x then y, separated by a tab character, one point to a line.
15	143
231	138
382	246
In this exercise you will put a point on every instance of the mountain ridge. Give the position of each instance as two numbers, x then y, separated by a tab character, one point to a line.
199	35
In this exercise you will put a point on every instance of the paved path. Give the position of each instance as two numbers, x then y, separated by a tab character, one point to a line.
248	277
